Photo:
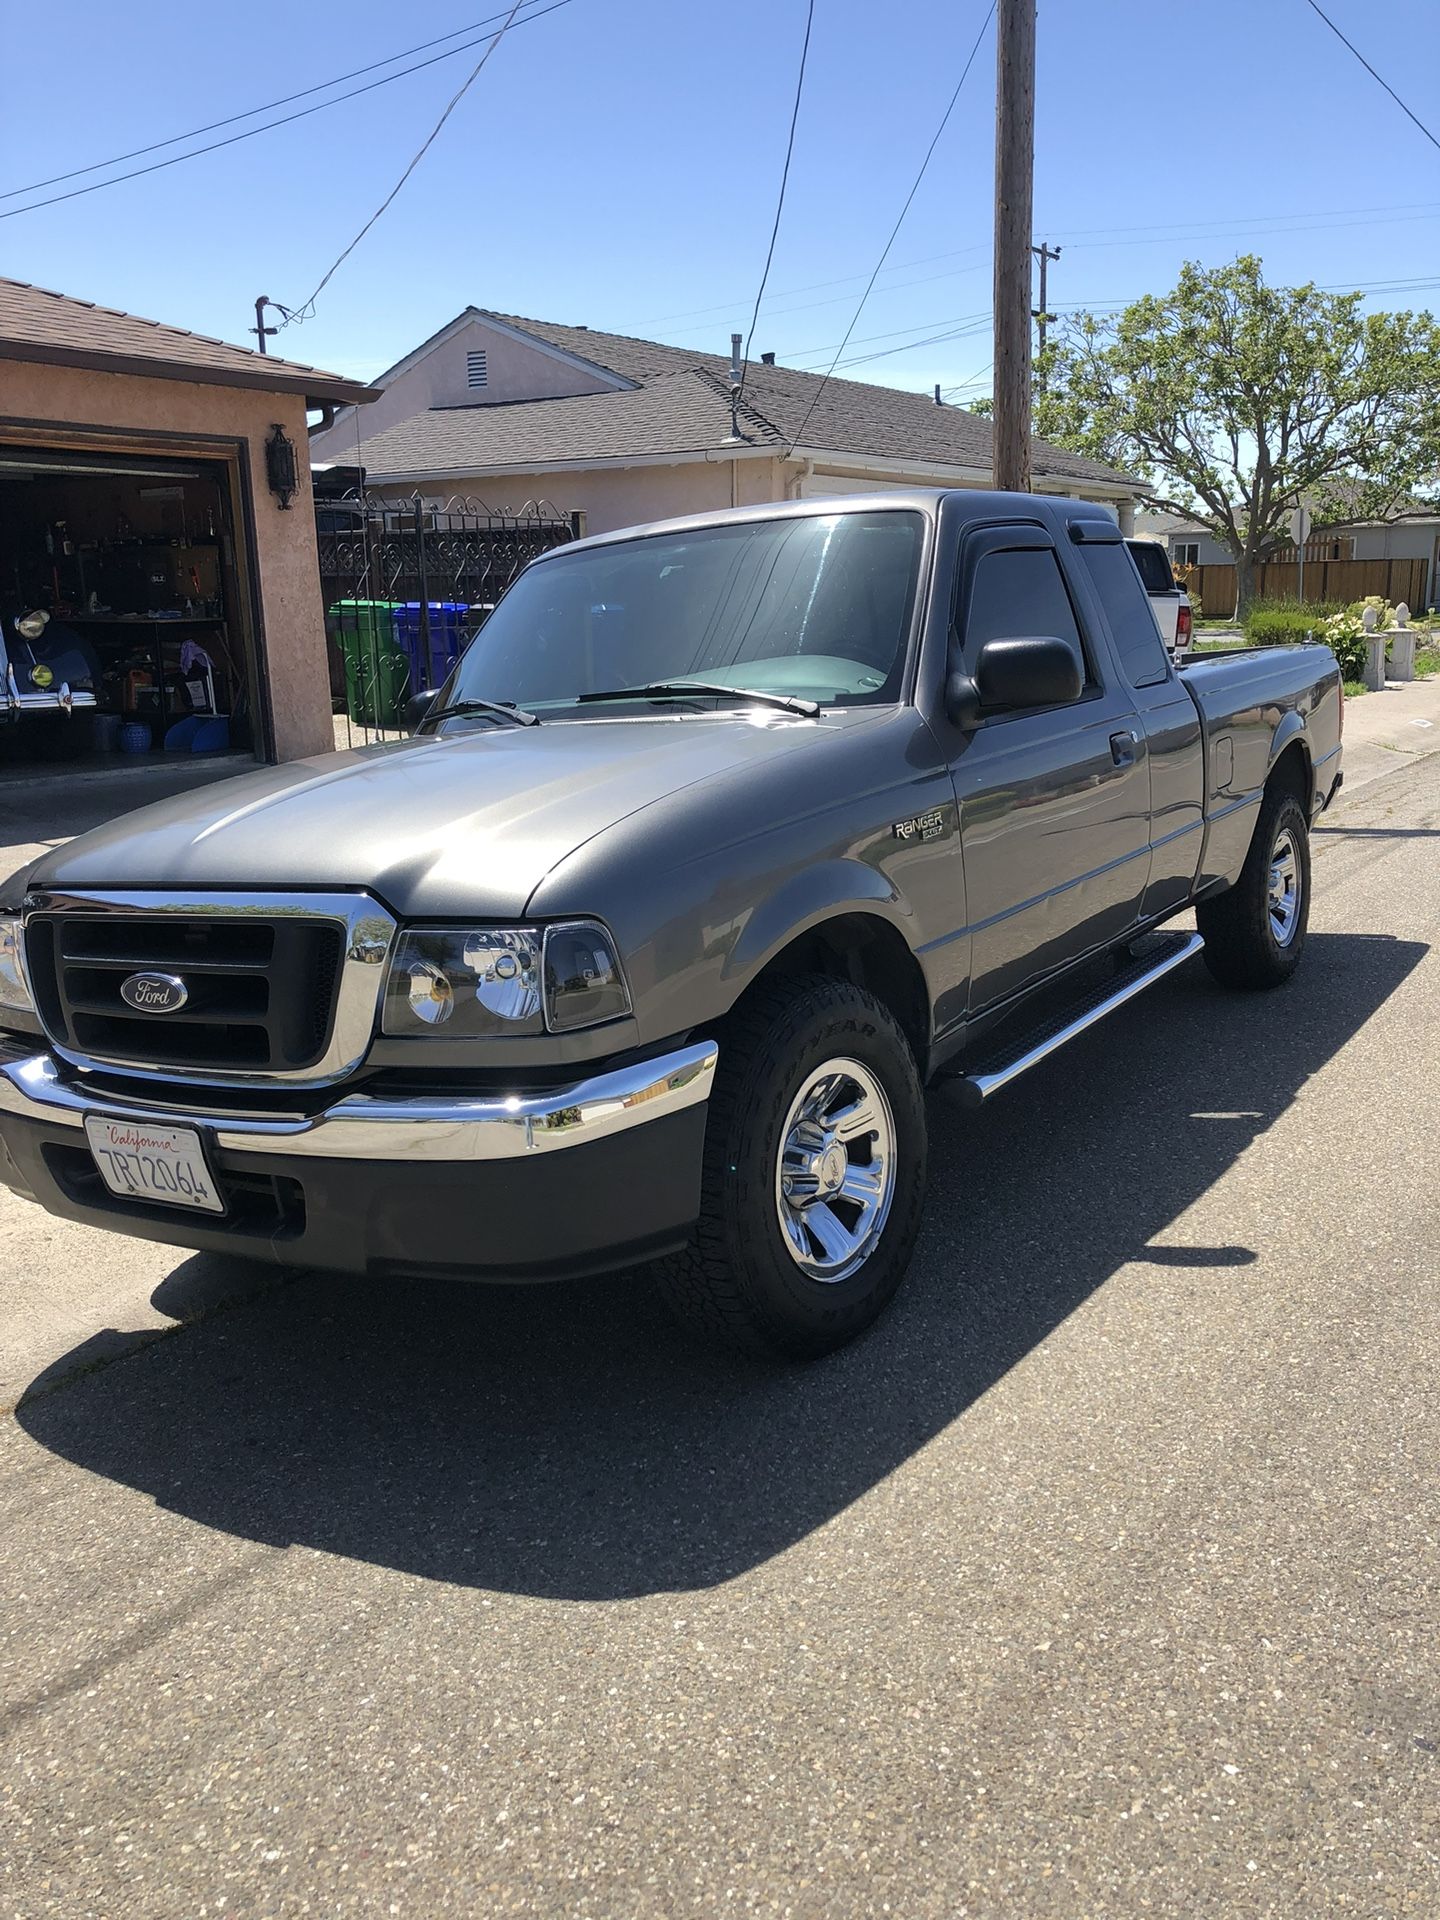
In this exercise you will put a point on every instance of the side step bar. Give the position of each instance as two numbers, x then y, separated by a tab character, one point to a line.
1162	953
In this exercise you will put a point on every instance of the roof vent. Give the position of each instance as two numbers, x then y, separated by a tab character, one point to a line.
767	359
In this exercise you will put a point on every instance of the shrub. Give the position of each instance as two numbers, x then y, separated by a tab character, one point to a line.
1285	623
1344	633
1281	626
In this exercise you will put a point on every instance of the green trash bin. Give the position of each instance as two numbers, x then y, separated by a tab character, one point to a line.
377	672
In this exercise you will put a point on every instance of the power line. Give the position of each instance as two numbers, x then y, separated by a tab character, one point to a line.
935	339
795	356
1315	219
976	323
885	250
304	312
814	286
780	201
952	329
974	380
212	126
1432	138
194	153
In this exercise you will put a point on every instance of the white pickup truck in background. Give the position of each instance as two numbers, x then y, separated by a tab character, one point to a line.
1170	604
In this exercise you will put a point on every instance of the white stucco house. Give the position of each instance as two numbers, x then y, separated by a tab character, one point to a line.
513	411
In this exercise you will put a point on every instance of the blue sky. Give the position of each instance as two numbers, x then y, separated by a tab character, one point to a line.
617	162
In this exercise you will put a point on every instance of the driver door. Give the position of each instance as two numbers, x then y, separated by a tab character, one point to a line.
1054	802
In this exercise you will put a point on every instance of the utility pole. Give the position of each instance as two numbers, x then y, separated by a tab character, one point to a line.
1014	185
1044	253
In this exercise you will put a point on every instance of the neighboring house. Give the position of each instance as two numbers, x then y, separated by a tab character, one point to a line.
1399	558
139	511
626	430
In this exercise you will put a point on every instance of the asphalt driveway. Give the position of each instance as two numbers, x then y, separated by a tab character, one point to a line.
1100	1579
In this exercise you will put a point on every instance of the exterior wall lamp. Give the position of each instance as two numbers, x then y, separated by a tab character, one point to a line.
281	470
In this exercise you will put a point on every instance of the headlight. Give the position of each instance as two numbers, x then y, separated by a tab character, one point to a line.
13	990
475	983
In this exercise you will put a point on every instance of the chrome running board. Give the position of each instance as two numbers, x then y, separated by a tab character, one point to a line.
1162	954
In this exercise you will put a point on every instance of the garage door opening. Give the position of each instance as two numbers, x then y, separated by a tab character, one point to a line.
127	641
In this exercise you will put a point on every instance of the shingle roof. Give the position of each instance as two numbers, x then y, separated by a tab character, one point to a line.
677	413
36	324
681	404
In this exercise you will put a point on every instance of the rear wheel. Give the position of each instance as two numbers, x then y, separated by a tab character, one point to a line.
814	1172
1255	931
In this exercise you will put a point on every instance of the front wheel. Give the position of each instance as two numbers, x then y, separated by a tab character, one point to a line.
814	1172
1255	931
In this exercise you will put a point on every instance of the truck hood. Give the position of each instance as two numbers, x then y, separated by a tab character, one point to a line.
458	824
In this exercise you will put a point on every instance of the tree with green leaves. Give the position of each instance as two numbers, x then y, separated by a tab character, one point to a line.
1235	402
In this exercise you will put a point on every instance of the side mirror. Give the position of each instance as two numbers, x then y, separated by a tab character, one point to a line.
416	708
1036	671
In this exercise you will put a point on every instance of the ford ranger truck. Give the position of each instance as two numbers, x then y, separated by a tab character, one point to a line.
725	840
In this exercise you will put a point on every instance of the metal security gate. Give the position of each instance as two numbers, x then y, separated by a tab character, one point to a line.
406	585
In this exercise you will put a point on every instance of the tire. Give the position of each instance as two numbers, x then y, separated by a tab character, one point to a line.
754	1271
1253	938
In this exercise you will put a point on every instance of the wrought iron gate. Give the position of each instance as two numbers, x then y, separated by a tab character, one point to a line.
406	585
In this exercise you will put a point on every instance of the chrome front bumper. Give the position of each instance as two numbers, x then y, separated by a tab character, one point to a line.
361	1126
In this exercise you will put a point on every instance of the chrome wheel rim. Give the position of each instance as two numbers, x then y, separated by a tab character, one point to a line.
835	1172
1284	896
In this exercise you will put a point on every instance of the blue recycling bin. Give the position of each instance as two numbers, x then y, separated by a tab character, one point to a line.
447	639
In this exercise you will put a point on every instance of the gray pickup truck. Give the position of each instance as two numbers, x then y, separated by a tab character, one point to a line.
725	839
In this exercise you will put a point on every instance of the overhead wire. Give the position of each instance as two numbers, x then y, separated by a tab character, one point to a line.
1314	219
899	222
305	311
194	153
780	199
1409	113
250	113
966	325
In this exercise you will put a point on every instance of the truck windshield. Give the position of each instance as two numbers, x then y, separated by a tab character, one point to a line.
817	606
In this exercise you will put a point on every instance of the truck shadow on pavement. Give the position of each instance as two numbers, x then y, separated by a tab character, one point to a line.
569	1442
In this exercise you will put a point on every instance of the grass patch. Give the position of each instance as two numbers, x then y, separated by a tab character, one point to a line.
1427	662
1354	689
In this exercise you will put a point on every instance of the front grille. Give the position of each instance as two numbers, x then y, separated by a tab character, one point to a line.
261	992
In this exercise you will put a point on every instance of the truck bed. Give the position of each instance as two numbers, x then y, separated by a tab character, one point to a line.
1253	703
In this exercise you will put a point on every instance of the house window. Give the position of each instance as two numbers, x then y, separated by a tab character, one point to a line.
1187	553
476	372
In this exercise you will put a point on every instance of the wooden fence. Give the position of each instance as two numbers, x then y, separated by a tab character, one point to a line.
1340	580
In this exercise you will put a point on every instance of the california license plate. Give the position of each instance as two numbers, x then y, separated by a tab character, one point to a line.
165	1165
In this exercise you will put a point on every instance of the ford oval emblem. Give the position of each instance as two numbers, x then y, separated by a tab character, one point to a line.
154	992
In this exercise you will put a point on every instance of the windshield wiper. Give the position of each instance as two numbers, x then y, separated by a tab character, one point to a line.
679	689
501	709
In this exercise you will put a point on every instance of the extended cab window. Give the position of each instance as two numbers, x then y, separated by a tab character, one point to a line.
1020	594
1132	623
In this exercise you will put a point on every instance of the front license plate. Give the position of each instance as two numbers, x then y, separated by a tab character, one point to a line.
163	1164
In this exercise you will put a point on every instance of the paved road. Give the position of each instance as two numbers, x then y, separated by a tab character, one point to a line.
1100	1580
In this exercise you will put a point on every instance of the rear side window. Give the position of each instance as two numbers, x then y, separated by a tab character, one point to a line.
1132	621
1018	595
1154	566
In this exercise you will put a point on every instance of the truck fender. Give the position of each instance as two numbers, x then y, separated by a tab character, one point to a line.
1290	729
804	900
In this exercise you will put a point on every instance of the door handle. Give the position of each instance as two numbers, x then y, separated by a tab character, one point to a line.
1122	748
